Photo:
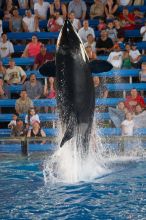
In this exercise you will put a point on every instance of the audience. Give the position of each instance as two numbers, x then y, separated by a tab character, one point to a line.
33	87
127	19
32	49
126	57
133	100
18	130
75	22
127	125
23	104
13	122
42	57
4	90
90	42
111	9
85	31
15	22
30	118
135	56
91	54
104	44
97	10
30	22
41	9
79	8
57	6
112	32
6	47
23	4
2	70
55	22
116	57
14	74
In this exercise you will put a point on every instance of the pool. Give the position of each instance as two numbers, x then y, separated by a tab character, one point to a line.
119	195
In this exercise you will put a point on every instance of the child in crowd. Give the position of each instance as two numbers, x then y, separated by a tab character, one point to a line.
102	25
127	125
12	123
135	56
111	30
31	117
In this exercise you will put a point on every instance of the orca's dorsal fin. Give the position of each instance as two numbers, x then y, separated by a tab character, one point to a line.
48	69
99	66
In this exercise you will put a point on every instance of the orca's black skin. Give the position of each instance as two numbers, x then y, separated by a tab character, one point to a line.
75	89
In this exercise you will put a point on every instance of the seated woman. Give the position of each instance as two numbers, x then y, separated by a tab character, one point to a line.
15	22
126	57
33	48
57	6
50	92
36	131
111	9
91	54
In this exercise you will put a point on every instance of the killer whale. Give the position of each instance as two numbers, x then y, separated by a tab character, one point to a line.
75	89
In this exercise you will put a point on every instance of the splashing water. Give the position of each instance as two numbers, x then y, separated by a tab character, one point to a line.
68	164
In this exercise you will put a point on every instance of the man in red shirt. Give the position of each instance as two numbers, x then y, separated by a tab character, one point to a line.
127	19
42	57
134	99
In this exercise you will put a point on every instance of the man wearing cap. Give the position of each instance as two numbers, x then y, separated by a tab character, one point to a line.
14	74
116	57
42	57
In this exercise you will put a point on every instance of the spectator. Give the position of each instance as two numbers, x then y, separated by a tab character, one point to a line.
119	29
100	89
8	5
6	47
79	8
12	123
55	22
41	9
33	87
4	91
143	31
135	56
124	2
30	22
97	10
116	57
112	32
14	74
102	25
85	30
32	2
127	20
134	99
23	4
138	15
91	54
24	103
36	131
2	70
57	6
7	15
90	42
50	92
142	76
126	57
42	57
117	115
18	130
142	73
138	109
127	125
32	49
111	9
31	117
15	22
1	28
104	44
75	22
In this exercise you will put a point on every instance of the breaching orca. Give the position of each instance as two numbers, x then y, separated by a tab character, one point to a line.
75	89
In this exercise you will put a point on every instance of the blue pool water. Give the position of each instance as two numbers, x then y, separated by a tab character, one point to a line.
119	195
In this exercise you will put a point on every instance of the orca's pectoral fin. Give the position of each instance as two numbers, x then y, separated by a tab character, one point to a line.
48	69
99	66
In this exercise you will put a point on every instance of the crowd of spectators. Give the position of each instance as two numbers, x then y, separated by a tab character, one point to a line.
113	19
